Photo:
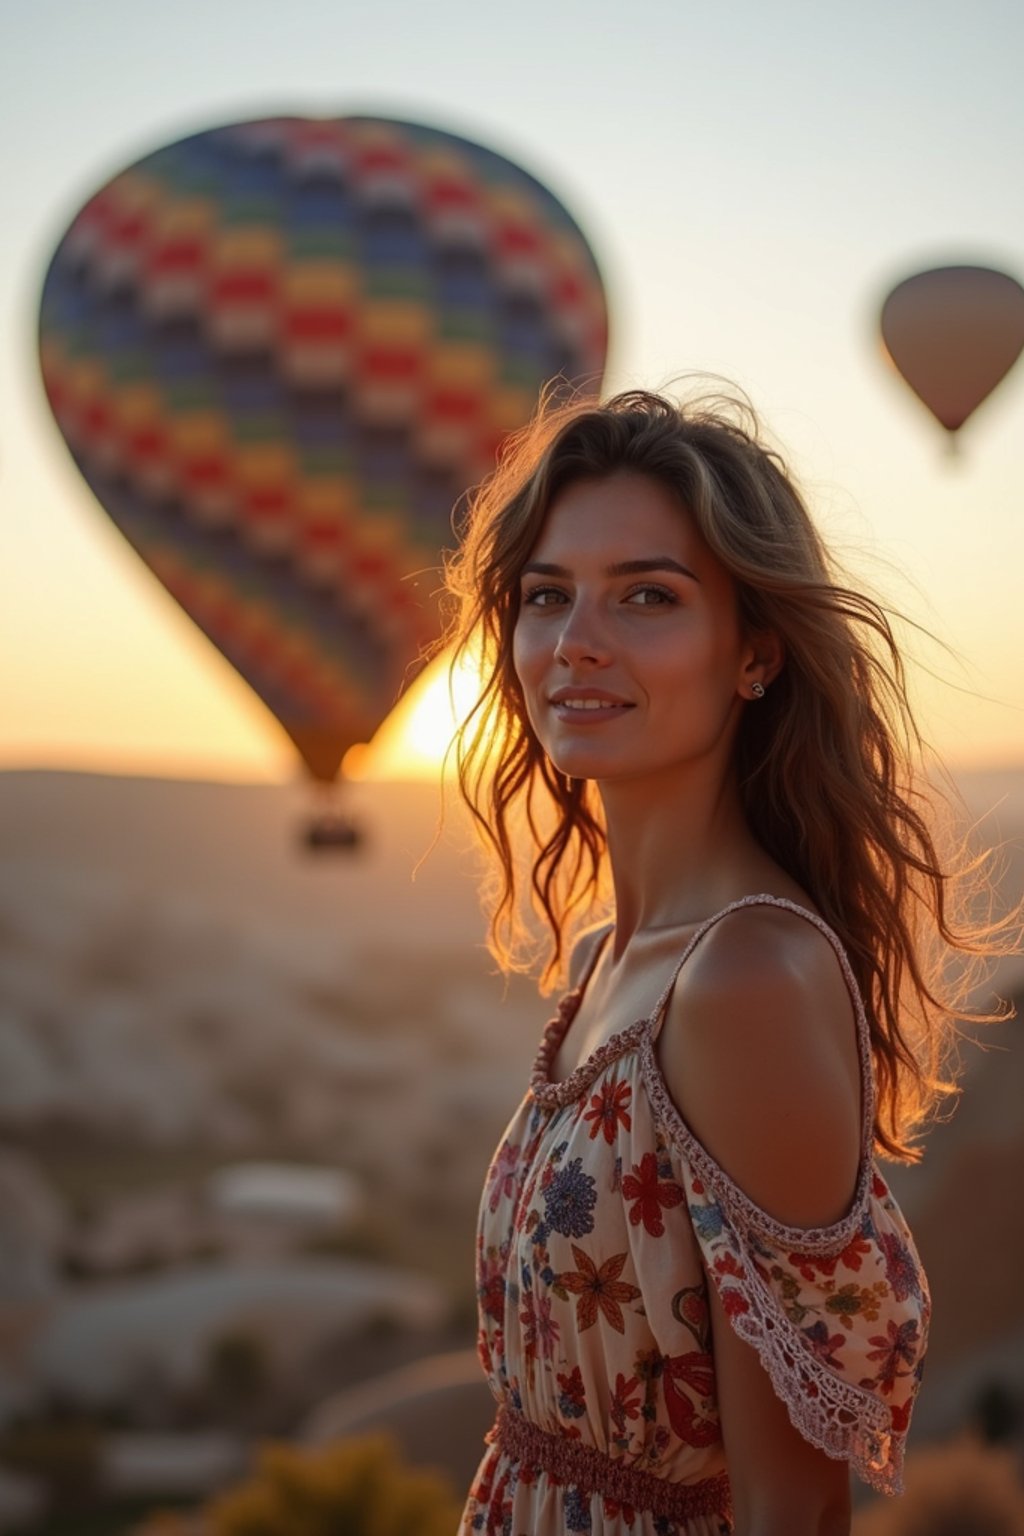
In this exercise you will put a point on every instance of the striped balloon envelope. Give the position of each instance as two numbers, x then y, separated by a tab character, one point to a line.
279	352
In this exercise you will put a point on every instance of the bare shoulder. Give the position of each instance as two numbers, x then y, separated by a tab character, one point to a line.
766	946
759	1052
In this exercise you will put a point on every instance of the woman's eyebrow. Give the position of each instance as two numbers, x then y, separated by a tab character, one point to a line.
621	568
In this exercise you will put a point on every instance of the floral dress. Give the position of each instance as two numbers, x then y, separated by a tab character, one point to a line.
601	1222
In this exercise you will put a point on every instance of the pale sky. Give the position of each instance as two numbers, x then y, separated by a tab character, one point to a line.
753	179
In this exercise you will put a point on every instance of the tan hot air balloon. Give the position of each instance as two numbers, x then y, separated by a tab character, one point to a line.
953	333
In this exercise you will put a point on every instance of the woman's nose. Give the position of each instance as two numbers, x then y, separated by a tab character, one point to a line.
581	638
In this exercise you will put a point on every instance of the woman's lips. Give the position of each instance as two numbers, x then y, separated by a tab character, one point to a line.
587	706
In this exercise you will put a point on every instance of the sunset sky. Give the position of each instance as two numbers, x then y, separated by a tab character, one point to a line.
753	179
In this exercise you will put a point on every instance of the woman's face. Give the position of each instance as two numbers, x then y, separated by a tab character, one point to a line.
628	645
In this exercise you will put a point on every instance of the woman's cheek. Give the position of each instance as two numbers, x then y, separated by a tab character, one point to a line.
526	659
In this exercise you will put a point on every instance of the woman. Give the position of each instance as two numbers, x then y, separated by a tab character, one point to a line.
698	1300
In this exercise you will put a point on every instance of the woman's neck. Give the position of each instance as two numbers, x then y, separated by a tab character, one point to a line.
678	852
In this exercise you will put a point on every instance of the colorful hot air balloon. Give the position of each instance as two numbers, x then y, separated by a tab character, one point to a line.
954	333
279	352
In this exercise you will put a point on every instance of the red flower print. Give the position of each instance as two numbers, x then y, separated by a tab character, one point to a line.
850	1258
503	1174
734	1303
649	1194
900	1413
572	1399
609	1108
499	1507
898	1346
483	1486
523	1212
855	1249
598	1288
623	1405
695	1371
729	1264
491	1287
539	1327
613	1510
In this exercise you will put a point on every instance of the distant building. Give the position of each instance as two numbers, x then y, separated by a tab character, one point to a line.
290	1194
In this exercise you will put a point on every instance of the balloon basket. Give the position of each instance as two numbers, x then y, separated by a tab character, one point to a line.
330	832
327	828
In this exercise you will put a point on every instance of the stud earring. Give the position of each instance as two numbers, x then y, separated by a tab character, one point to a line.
757	689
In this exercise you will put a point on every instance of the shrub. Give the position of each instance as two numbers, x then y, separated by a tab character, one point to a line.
357	1487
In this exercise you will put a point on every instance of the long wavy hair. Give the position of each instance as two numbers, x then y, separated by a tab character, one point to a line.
829	763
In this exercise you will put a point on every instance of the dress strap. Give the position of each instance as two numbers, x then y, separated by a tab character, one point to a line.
863	1033
657	1017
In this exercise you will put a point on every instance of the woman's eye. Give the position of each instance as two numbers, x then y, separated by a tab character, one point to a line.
542	597
650	597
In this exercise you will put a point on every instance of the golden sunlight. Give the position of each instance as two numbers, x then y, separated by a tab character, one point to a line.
412	742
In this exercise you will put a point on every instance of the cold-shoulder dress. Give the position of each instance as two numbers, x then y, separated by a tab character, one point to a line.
601	1223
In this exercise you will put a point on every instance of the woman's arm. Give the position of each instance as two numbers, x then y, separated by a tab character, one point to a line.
781	1485
759	1052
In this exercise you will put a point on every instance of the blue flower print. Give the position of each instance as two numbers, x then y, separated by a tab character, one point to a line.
577	1511
900	1268
707	1219
569	1200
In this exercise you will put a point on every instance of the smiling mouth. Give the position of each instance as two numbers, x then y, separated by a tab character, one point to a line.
587	710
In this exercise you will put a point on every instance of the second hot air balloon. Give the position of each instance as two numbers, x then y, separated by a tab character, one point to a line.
953	334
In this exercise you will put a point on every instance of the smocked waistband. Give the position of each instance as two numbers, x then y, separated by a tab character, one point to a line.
570	1462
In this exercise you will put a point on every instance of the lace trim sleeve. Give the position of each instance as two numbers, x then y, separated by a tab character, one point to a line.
838	1315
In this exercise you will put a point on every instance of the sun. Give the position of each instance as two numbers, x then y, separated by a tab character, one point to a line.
412	742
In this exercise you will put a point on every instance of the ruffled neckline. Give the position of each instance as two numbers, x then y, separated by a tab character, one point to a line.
555	1095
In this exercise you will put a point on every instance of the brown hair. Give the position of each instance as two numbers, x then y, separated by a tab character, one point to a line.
827	763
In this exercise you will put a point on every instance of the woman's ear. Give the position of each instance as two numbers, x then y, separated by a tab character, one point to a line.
764	659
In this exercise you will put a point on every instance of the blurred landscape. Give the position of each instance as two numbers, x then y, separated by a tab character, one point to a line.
247	1097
